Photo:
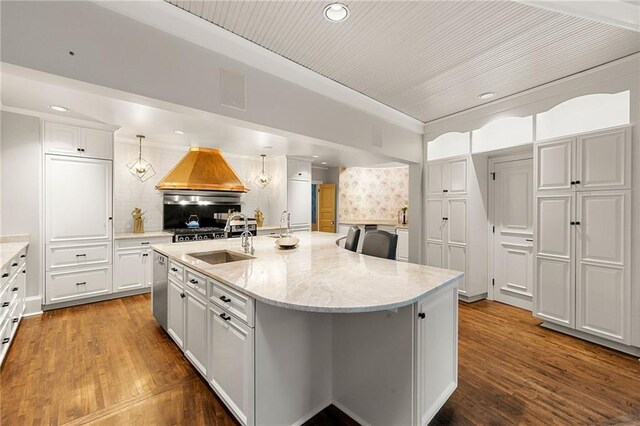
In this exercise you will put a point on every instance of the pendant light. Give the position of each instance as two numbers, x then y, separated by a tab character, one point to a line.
262	179
141	168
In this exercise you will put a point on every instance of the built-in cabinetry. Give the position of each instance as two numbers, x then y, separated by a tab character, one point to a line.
133	262
12	298
451	241
582	275
213	325
299	194
78	212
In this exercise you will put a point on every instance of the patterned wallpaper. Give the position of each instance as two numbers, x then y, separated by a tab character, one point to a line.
372	193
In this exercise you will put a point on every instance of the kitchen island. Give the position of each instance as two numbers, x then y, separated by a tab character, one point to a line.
284	333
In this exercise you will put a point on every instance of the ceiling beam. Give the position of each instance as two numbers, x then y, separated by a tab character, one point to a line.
619	13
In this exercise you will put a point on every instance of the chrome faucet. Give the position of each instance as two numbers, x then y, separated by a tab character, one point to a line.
246	236
286	215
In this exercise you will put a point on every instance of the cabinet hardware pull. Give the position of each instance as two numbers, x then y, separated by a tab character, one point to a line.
182	295
5	304
82	283
14	289
15	320
79	149
225	317
13	265
573	182
24	271
225	299
578	223
572	223
192	281
445	218
144	242
174	269
529	239
422	315
5	340
81	255
23	256
577	182
5	275
445	190
110	218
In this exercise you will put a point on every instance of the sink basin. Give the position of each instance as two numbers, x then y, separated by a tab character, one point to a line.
220	256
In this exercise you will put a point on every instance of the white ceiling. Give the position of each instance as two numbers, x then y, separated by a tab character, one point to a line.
28	90
427	59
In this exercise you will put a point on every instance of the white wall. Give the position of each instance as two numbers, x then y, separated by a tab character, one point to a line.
20	177
129	192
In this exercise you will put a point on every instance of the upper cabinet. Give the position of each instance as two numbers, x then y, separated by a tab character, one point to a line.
71	140
298	170
448	177
593	161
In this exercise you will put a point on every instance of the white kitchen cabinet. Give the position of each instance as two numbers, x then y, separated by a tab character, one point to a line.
592	161
437	352
195	339
175	312
78	199
133	262
299	202
582	277
65	139
402	253
12	299
231	363
447	177
77	283
435	255
298	170
67	255
436	214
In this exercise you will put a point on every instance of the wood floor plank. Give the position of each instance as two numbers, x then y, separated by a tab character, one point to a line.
110	363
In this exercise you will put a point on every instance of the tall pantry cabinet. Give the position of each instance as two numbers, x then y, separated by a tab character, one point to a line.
78	212
582	274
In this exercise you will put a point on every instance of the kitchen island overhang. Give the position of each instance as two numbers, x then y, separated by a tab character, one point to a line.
375	337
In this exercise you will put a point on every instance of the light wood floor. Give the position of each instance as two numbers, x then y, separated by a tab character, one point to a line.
110	363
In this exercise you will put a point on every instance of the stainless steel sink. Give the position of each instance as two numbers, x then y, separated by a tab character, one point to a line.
220	256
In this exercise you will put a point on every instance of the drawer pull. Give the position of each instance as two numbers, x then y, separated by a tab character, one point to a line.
82	283
225	317
144	243
5	304
182	295
15	320
14	289
225	299
5	340
23	256
145	254
422	315
192	281
81	255
24	271
5	275
13	265
174	269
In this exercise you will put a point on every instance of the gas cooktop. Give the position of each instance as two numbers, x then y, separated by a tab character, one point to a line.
197	234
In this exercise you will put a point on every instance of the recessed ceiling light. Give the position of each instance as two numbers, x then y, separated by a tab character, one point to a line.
315	156
178	132
324	162
486	95
336	12
267	147
59	108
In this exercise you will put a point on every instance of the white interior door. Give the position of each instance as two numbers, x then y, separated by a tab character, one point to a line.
456	177
554	163
604	160
603	286
436	217
513	236
435	172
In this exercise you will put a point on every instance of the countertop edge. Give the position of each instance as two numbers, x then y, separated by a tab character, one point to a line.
317	309
19	246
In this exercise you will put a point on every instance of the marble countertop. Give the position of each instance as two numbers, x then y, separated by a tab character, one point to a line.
151	234
270	227
374	222
9	247
317	276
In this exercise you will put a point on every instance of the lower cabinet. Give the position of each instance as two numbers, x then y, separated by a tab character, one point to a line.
78	283
231	362
175	312
133	262
195	339
403	245
12	299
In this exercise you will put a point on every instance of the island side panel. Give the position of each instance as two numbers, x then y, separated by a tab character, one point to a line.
292	365
373	375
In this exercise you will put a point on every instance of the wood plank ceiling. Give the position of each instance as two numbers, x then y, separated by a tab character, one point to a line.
428	59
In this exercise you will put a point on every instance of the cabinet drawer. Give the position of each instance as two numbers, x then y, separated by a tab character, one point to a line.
8	299
77	255
197	282
141	242
176	271
5	338
232	301
78	284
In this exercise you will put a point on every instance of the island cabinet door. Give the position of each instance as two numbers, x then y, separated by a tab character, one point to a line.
195	341
231	363
436	351
175	313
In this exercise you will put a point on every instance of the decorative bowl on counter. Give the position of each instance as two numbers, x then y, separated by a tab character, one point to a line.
287	242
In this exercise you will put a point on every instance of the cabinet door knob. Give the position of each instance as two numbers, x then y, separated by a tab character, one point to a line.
577	182
24	271
422	315
573	182
13	265
445	218
14	289
225	299
578	223
182	295
572	223
445	190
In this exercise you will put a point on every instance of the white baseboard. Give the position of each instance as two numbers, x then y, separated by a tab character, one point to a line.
94	299
471	299
33	306
631	350
312	413
350	413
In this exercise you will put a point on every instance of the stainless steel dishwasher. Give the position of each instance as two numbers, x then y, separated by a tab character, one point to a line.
159	288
